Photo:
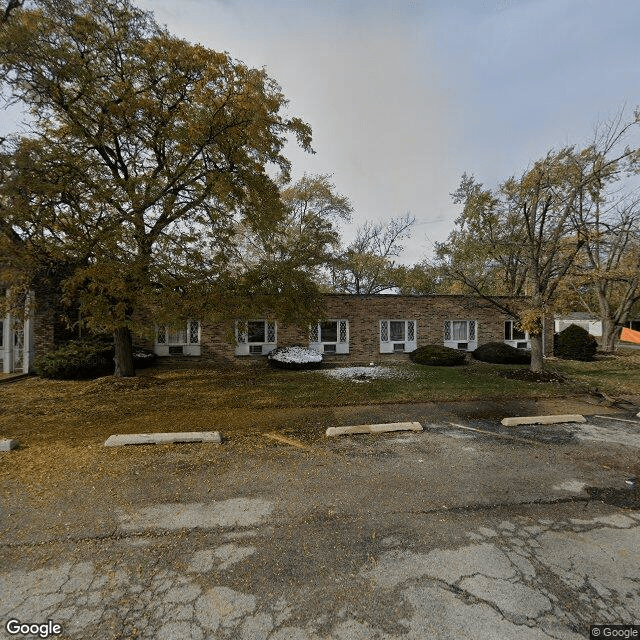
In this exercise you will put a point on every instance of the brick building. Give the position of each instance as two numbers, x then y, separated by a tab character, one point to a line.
36	326
356	329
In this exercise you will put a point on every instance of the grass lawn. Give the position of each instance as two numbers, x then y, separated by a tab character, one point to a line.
200	399
61	425
617	375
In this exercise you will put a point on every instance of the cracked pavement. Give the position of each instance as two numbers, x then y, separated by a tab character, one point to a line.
445	534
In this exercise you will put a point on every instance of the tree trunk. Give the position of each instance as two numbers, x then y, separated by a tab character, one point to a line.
537	361
609	336
123	357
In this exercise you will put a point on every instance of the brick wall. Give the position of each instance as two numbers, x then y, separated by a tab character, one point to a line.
364	314
50	329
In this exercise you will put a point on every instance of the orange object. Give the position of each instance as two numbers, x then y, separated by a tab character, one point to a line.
629	335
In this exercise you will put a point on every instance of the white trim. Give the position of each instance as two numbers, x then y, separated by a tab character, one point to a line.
459	343
172	345
340	346
245	348
18	360
392	346
517	342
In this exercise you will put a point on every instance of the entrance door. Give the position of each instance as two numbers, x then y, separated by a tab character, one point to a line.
17	344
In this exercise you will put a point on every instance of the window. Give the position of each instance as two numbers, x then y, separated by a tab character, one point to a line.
461	334
178	340
515	336
189	334
397	336
329	331
511	331
255	337
330	336
256	331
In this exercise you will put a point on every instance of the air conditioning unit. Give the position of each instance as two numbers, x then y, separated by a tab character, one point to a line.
329	348
522	345
255	349
176	350
398	347
463	346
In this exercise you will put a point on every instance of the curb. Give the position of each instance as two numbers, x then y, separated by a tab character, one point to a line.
8	445
375	428
125	439
514	422
14	377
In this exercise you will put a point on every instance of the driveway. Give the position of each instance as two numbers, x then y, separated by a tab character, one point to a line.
466	530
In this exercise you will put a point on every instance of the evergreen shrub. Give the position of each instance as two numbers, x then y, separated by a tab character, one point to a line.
143	358
574	343
436	355
77	360
501	353
294	358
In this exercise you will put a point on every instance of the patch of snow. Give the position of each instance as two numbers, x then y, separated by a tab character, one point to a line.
574	486
298	355
361	374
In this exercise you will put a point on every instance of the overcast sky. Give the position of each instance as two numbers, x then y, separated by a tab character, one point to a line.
403	97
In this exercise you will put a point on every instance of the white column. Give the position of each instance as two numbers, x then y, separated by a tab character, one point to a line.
7	355
29	342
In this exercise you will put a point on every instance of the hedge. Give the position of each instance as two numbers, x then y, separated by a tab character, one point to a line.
437	356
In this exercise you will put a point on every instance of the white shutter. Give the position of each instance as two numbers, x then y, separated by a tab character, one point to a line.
242	346
271	333
314	335
271	337
161	335
193	331
473	335
343	337
385	345
411	343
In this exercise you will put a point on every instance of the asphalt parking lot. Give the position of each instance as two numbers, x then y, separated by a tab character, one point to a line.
466	530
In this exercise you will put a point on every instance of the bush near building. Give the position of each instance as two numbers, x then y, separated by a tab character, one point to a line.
574	343
501	353
86	358
436	355
294	357
77	360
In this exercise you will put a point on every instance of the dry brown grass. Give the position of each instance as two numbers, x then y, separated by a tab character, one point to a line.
617	375
81	412
61	425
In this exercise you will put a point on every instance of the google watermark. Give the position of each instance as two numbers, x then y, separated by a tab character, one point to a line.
46	629
598	631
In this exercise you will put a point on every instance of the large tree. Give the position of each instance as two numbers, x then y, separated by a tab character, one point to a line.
367	265
145	156
606	277
521	236
307	240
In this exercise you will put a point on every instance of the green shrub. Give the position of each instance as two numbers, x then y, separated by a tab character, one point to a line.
437	356
78	359
574	343
501	353
294	358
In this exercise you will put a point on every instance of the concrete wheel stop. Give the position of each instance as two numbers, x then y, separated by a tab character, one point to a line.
122	440
8	445
556	419
374	428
